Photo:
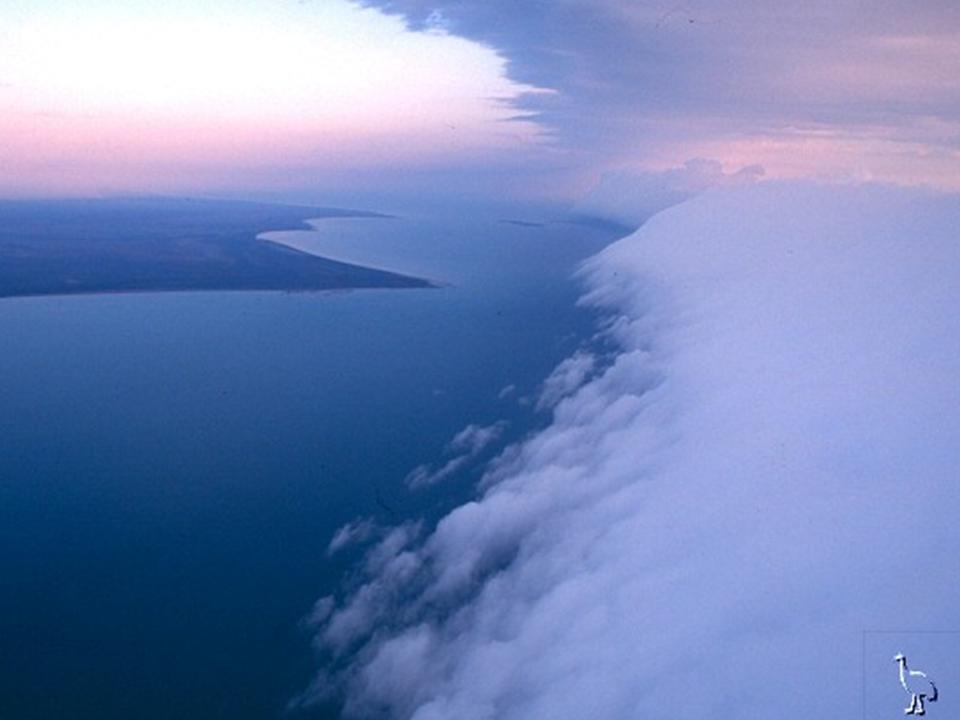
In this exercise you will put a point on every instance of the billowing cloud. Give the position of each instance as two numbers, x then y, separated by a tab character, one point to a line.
766	469
566	378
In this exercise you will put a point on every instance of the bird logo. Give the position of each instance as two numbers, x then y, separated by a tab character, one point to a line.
915	682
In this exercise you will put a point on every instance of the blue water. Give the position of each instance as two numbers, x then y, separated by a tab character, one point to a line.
172	466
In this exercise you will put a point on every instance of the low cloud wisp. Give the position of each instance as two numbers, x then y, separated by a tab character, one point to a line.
465	447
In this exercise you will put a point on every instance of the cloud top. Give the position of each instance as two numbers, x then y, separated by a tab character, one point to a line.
766	468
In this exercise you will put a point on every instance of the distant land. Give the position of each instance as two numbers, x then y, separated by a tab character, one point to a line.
523	223
68	247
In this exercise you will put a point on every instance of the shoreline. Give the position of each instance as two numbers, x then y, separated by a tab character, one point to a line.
49	249
330	258
429	285
313	228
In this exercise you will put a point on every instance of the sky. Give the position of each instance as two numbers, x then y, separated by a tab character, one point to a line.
249	96
482	98
828	88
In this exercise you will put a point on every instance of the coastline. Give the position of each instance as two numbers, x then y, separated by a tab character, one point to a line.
92	247
263	237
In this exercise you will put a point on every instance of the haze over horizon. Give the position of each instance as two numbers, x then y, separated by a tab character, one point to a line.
301	101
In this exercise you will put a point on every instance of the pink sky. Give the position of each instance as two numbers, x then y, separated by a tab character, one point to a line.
254	97
99	101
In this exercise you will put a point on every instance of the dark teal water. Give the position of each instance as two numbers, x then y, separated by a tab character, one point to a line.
173	466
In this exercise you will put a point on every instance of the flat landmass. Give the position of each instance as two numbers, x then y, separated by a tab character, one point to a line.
67	247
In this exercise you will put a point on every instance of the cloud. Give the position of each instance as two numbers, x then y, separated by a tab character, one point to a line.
465	447
565	379
388	564
426	475
353	533
474	438
766	469
317	109
745	81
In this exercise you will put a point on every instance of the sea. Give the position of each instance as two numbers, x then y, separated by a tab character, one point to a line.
173	466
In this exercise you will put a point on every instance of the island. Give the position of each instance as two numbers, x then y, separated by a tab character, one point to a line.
67	247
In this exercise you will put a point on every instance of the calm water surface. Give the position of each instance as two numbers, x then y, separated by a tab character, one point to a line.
172	466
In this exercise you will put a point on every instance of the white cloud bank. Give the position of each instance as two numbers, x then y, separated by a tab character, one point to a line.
768	468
